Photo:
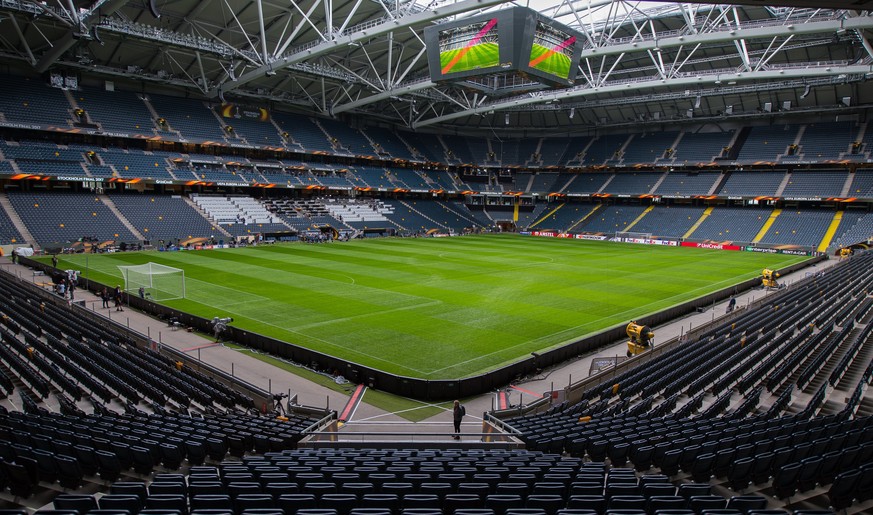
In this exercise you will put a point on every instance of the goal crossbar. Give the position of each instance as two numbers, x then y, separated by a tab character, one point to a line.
158	282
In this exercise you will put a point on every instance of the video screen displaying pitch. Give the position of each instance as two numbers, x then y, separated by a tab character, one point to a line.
470	47
552	51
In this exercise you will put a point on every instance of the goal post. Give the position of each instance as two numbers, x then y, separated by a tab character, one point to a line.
159	282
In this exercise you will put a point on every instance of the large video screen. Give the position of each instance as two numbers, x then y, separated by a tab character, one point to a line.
552	51
470	47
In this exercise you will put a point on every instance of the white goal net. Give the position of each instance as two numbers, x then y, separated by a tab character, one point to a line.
158	282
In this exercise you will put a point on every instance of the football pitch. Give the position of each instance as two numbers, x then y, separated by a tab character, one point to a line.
438	308
482	55
556	63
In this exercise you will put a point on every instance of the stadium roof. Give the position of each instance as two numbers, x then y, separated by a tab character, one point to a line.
643	62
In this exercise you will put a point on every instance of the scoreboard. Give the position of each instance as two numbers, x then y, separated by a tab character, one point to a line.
516	40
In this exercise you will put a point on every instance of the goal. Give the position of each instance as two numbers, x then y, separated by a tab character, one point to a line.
159	282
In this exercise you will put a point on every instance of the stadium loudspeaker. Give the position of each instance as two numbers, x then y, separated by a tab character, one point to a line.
786	105
572	112
768	107
847	101
153	7
729	110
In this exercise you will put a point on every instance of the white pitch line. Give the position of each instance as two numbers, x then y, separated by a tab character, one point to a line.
574	328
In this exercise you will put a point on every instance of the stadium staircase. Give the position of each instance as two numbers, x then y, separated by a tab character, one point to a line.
699	221
719	184
586	217
785	181
769	223
832	230
203	213
847	187
567	184
546	216
123	219
155	116
606	184
643	214
473	221
419	213
737	144
657	184
16	221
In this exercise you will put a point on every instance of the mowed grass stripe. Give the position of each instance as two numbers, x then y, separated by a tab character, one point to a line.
442	308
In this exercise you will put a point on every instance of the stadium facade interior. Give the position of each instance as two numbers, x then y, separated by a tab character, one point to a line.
191	123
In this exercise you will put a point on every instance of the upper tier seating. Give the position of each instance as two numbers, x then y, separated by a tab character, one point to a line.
565	217
632	182
54	219
668	221
816	184
687	183
161	217
194	120
256	131
544	182
459	150
515	152
804	227
389	142
552	151
648	148
479	151
348	137
753	183
428	146
826	141
304	131
605	148
701	147
766	143
732	224
32	101
116	111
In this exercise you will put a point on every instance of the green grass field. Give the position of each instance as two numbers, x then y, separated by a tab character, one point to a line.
482	55
439	308
556	64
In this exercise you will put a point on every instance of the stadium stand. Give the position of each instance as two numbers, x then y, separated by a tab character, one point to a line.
767	143
687	183
807	228
862	183
116	111
731	224
701	147
828	183
649	148
195	121
349	138
855	227
56	219
827	141
610	219
161	217
561	217
635	182
304	132
668	221
604	149
254	130
8	232
752	183
389	143
588	182
136	164
32	101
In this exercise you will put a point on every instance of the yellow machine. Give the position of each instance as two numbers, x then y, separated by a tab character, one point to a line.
768	278
640	338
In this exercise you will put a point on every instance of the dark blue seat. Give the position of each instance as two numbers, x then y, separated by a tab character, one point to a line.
128	502
74	502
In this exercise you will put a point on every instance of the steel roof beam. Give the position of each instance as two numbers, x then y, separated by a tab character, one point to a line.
360	35
581	93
